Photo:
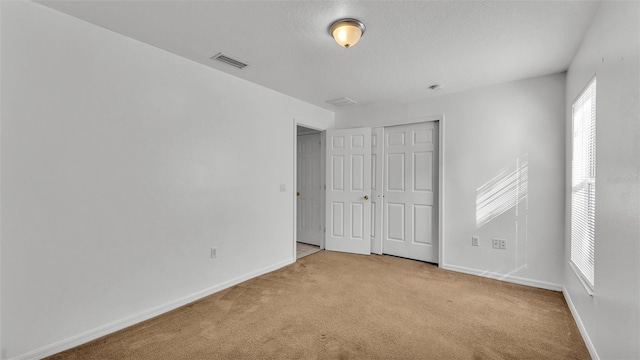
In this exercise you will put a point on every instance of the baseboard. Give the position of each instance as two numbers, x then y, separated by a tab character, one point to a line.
142	316
580	324
505	277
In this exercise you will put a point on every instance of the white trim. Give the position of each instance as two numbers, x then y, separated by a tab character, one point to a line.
112	327
1	351
580	324
441	190
580	277
294	188
505	277
323	182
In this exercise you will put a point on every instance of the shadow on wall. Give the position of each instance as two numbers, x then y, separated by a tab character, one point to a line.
506	191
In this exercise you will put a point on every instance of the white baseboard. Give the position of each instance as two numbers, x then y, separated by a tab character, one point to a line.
505	277
142	316
580	324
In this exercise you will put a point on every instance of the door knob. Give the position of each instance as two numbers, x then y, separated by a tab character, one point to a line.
297	193
366	197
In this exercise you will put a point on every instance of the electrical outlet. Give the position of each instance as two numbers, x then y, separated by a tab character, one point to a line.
214	253
475	240
499	244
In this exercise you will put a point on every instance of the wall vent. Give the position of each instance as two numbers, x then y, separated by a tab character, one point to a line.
343	101
229	61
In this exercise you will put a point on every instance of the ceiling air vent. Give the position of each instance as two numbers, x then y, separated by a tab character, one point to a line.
229	61
344	101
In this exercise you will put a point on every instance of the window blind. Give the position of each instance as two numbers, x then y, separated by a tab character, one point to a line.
583	183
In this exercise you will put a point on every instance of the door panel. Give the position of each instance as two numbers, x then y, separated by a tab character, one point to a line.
349	178
395	173
410	213
395	222
421	228
309	217
337	214
357	173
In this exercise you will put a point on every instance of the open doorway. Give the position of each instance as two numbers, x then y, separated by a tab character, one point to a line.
309	191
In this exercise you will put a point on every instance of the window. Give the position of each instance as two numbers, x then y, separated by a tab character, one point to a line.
583	186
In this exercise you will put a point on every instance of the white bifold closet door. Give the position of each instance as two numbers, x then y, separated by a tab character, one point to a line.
410	196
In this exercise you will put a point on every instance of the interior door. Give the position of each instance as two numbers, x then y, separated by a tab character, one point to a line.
348	207
410	198
310	227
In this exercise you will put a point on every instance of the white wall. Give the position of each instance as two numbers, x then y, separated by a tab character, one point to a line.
485	131
611	51
121	166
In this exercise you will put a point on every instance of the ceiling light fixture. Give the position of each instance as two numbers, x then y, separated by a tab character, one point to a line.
347	32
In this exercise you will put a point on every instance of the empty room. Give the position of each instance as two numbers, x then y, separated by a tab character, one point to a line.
319	179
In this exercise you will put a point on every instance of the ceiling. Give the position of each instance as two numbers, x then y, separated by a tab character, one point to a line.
407	46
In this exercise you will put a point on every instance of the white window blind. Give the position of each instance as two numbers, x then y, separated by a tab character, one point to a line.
583	183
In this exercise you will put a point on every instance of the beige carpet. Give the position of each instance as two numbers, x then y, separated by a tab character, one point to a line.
341	306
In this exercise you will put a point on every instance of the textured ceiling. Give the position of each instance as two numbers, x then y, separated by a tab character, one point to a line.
407	47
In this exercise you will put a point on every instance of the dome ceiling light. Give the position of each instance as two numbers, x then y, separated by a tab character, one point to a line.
347	32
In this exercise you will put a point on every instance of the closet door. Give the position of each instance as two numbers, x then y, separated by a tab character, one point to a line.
410	191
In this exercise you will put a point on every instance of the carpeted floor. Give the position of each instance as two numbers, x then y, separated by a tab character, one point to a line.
341	306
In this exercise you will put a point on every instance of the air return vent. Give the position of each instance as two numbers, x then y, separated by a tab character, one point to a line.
344	101
229	61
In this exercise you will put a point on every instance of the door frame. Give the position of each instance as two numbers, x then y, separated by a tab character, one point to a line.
296	123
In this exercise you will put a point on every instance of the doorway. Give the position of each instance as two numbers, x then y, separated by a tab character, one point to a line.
309	191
